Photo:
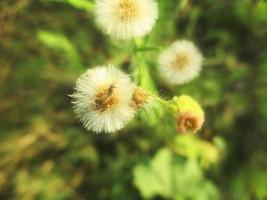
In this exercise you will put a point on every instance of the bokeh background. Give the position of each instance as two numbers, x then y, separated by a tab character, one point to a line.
46	154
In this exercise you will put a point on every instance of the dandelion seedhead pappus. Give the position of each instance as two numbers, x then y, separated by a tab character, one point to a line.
102	99
126	19
180	63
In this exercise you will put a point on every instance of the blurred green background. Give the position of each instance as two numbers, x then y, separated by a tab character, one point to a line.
45	153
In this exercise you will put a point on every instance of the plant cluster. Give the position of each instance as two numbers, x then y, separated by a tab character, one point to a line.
106	99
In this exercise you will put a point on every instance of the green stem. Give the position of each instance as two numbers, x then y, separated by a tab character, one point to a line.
161	101
141	72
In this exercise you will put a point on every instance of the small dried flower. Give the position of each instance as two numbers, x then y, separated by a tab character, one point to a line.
189	122
189	114
140	98
125	19
102	99
180	63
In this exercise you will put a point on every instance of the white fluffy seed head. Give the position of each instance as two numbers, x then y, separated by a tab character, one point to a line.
102	99
125	19
180	63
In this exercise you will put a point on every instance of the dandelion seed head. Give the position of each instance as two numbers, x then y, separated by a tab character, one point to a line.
125	19
102	99
180	63
127	11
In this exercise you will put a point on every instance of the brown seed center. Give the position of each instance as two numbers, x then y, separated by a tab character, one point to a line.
106	99
127	10
181	61
188	122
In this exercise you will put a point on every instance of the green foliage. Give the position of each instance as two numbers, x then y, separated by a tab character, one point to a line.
250	182
206	153
156	177
41	185
81	4
86	5
61	43
171	176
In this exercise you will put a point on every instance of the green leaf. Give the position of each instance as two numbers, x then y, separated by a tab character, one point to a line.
82	4
155	178
61	43
171	176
